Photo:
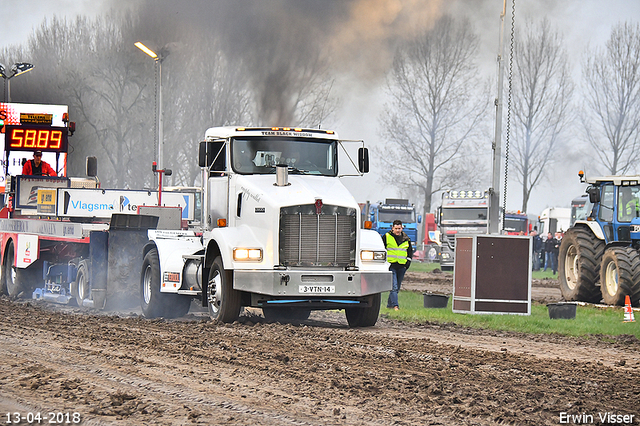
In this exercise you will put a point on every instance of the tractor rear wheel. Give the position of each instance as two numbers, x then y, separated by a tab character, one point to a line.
620	275
579	265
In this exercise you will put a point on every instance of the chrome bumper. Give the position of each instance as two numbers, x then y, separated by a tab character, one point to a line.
290	283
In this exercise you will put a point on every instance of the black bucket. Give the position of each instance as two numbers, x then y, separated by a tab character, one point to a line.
562	310
435	300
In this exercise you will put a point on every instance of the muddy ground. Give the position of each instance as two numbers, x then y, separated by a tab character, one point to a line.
118	368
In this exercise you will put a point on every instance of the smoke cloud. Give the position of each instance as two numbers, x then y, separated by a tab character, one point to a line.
282	43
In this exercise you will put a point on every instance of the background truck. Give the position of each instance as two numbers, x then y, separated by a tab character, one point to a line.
554	219
65	239
599	258
518	223
382	215
279	231
431	245
580	208
461	213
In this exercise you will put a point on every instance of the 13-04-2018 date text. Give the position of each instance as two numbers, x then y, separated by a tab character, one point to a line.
52	417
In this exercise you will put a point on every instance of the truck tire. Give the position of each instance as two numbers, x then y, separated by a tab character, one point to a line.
364	317
14	282
151	300
579	265
620	275
154	303
81	288
286	314
223	301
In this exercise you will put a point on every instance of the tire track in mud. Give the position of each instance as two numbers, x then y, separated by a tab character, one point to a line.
136	371
93	372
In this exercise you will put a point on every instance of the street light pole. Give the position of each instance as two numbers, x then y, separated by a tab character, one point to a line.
494	194
159	113
17	69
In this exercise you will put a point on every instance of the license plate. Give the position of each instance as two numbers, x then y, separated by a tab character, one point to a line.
317	289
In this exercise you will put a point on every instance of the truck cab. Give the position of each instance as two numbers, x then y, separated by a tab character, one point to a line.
279	231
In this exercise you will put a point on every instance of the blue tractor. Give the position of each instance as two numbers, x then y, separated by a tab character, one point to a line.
599	255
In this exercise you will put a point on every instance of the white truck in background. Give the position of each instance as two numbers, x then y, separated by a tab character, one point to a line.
461	213
279	231
554	219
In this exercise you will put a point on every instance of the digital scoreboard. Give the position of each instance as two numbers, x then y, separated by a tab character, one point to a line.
32	137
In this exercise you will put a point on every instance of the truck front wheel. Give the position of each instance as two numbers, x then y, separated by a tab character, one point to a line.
620	275
579	265
364	317
223	301
154	303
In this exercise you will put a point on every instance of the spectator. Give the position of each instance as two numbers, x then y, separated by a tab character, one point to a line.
550	247
537	249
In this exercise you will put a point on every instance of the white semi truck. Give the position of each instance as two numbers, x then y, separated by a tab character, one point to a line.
279	231
461	213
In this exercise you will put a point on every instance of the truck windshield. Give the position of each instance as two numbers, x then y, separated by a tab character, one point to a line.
512	224
260	155
406	216
473	214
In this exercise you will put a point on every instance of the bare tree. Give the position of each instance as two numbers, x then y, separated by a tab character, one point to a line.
90	68
611	116
542	91
221	99
434	116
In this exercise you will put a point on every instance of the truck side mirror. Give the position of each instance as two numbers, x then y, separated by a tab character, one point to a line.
210	151
202	155
363	160
594	194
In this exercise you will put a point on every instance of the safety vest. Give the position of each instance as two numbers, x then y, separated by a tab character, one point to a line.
396	253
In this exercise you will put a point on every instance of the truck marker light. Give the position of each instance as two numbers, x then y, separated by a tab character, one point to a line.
368	224
222	223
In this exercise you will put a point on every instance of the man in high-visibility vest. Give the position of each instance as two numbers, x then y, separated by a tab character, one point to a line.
399	254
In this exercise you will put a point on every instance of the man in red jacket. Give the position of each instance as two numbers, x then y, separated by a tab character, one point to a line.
37	167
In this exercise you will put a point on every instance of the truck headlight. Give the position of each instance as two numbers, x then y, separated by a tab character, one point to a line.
369	255
247	254
445	255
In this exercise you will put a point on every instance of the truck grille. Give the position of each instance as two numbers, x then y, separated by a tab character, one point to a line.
311	239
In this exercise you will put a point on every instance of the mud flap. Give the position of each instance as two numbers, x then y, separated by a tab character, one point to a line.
127	236
98	253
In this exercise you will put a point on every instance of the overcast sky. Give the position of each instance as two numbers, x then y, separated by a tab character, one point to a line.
583	23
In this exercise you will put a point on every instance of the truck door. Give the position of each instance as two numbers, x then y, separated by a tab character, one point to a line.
606	211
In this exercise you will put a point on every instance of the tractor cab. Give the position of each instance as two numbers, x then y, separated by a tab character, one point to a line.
616	207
